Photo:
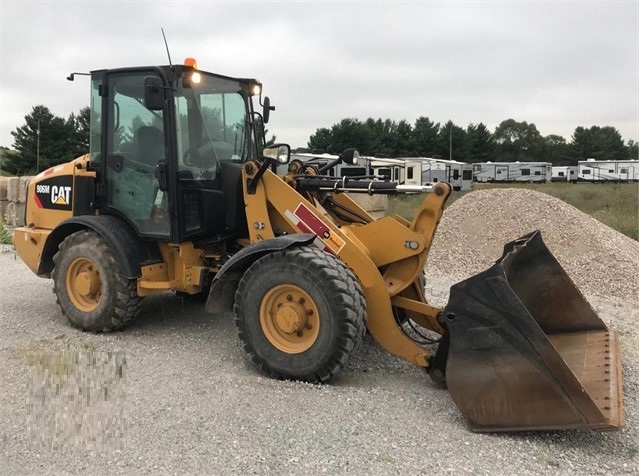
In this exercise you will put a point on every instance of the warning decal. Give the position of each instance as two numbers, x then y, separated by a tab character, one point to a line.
308	222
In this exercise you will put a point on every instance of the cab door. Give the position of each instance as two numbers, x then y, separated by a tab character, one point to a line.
135	145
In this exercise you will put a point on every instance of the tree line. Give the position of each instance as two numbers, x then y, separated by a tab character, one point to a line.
46	140
511	141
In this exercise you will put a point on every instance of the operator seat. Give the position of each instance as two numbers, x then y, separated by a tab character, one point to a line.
149	149
149	142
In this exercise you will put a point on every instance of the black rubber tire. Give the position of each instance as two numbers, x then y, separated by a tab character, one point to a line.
118	302
338	298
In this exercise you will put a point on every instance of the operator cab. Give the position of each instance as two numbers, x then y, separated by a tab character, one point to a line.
168	144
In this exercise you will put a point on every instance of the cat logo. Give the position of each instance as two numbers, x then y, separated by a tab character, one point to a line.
55	193
60	195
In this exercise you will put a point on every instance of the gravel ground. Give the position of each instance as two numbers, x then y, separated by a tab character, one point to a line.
191	403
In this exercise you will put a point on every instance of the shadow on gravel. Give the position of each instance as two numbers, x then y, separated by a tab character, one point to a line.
170	312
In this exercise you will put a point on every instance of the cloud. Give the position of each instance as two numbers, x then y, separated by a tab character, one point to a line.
558	65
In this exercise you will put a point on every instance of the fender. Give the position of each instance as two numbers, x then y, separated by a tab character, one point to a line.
130	251
227	278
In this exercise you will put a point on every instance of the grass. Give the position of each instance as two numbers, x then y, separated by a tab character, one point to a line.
5	235
614	204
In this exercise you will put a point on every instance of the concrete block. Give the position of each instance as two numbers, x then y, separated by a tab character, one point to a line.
3	207
377	204
3	187
13	189
14	214
23	187
9	211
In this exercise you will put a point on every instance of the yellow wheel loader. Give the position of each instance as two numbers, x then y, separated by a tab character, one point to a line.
179	192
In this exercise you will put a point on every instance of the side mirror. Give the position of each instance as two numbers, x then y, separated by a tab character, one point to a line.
153	93
266	109
350	156
280	153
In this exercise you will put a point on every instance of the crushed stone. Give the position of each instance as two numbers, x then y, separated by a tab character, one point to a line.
475	228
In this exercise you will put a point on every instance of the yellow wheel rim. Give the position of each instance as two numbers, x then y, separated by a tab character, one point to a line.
289	318
84	285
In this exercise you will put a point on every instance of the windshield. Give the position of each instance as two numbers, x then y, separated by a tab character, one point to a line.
211	122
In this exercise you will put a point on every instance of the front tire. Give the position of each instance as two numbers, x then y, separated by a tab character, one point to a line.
300	314
89	285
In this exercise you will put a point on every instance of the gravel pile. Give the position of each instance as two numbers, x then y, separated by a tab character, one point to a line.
474	229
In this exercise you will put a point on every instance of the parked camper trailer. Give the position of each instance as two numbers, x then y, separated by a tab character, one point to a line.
433	172
564	173
512	172
399	171
609	170
458	174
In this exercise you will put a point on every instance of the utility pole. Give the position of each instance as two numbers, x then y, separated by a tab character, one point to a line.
38	148
450	146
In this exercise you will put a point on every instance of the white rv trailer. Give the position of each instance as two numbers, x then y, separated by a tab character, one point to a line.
458	174
608	170
564	173
433	172
512	171
399	171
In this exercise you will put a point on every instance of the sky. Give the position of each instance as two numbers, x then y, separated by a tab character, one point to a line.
558	65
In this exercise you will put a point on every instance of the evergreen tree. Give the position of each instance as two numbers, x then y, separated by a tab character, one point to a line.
46	140
425	136
405	144
480	142
79	126
321	140
452	135
601	143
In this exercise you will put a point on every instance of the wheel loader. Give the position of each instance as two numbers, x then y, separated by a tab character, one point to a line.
179	192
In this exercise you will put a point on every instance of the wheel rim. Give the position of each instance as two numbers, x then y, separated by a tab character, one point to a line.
289	318
83	284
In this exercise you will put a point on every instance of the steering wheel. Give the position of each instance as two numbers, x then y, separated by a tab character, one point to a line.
199	154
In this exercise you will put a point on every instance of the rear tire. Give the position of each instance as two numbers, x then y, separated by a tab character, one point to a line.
89	285
300	314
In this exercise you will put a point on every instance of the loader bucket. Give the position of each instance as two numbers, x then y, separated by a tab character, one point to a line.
527	352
